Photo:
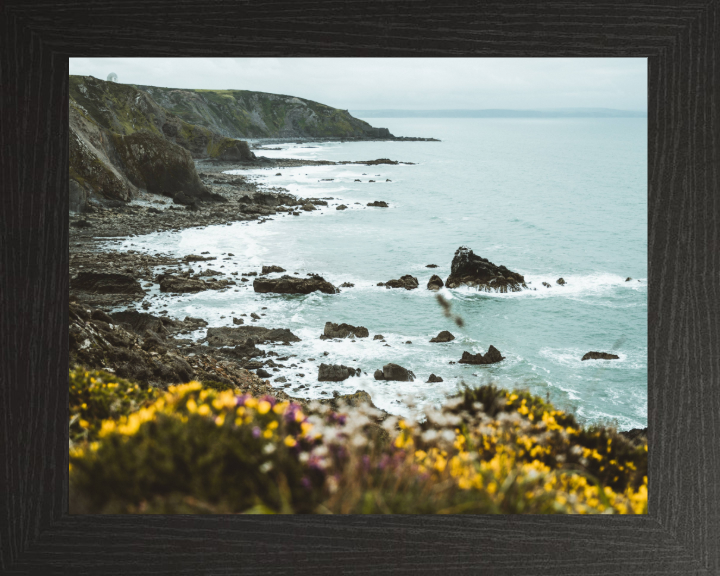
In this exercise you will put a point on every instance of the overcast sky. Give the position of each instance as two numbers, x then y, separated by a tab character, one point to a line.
402	83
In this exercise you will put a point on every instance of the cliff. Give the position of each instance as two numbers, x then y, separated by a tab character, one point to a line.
248	114
122	141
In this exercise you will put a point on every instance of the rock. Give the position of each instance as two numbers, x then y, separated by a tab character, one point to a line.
103	283
378	203
443	336
308	207
408	282
434	378
379	375
336	373
179	285
472	270
82	224
561	281
397	373
408	341
600	356
100	315
343	331
271	269
435	282
378	337
229	336
546	285
254	315
380	284
238	321
493	355
195	258
280	379
289	285
263	373
431	266
370	181
628	279
347	285
278	174
248	349
341	207
358	180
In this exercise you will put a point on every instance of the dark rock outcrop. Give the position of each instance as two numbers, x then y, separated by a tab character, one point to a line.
443	336
472	270
289	285
408	282
248	349
378	203
546	285
106	283
561	281
308	207
341	207
229	336
180	285
336	373
343	331
638	436
434	378
431	266
271	269
347	285
394	372
600	356
493	355
435	282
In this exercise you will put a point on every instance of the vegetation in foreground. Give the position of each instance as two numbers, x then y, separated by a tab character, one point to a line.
196	449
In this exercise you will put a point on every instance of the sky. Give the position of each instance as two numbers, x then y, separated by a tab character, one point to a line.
400	83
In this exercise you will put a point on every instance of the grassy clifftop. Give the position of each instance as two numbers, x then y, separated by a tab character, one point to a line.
248	114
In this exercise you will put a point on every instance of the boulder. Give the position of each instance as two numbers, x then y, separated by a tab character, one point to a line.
408	282
289	285
263	373
471	270
395	372
378	337
343	331
628	279
600	356
378	203
104	283
341	207
443	336
248	349
434	378
435	282
238	321
271	269
493	355
379	375
229	336
179	285
336	373
308	207
347	285
561	281
431	266
546	285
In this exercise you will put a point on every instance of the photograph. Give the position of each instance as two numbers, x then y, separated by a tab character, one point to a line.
358	285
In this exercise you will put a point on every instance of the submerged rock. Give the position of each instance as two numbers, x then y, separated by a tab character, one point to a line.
289	285
472	270
228	336
435	282
408	282
394	372
443	336
343	331
336	373
106	283
181	285
493	355
600	356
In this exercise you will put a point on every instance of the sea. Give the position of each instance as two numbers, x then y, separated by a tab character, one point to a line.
548	198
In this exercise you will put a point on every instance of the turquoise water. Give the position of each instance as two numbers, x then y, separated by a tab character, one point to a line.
548	198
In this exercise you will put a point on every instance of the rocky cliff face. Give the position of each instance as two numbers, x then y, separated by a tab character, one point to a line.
122	141
247	114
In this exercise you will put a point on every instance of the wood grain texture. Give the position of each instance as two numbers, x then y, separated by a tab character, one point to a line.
681	535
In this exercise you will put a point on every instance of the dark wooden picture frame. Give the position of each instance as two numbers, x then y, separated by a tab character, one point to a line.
681	533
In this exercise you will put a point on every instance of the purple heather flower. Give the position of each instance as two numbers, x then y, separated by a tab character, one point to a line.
240	400
256	432
305	481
